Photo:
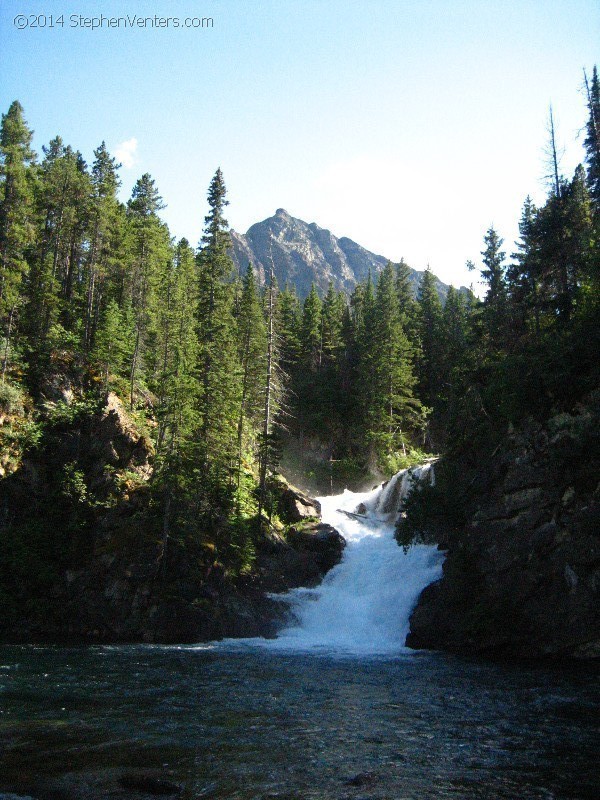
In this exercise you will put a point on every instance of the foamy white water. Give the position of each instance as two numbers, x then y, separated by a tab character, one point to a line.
364	603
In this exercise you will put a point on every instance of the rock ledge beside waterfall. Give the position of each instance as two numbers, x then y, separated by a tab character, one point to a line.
522	574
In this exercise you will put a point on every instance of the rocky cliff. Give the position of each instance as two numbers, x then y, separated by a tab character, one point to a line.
82	555
303	253
522	574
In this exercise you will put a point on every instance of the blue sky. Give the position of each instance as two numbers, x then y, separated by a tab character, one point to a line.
408	126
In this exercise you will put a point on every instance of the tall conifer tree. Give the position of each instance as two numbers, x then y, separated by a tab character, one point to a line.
219	400
150	249
16	218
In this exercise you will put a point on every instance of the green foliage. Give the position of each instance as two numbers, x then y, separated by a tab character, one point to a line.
16	219
430	338
592	140
393	461
26	434
63	414
430	512
11	399
351	370
73	484
113	341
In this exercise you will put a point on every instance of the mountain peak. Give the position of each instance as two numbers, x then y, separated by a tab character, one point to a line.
303	254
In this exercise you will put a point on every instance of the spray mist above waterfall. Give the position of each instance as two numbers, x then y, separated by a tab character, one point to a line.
364	603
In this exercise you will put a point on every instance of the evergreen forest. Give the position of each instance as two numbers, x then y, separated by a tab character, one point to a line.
218	373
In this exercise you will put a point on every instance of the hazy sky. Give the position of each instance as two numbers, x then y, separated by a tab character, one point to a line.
408	126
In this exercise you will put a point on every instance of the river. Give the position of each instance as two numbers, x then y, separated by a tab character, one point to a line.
334	708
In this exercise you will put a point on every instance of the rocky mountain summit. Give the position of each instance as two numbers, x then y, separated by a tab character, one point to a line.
303	253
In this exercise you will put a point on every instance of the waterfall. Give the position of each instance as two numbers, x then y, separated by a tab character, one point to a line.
364	603
387	500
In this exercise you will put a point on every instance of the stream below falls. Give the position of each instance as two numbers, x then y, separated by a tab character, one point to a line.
334	708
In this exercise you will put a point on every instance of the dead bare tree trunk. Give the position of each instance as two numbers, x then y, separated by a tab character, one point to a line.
553	153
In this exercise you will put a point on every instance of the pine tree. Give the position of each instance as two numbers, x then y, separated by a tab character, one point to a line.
306	383
430	339
454	324
579	236
175	384
150	248
523	275
362	303
564	229
219	400
113	342
329	382
390	409
406	297
268	455
311	331
107	238
16	218
493	273
332	313
252	354
289	323
55	286
552	157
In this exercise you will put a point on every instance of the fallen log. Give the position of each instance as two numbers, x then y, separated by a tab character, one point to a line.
351	514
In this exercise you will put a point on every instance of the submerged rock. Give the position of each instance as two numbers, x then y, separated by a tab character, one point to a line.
11	796
363	780
149	783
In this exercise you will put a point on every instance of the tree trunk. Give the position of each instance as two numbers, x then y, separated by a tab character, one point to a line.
134	365
554	155
7	344
267	412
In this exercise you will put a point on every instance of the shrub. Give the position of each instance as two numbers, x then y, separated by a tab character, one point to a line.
11	399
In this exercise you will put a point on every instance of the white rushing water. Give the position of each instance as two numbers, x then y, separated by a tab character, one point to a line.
364	603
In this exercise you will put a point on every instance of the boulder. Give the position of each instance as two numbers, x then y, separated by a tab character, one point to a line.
118	440
320	539
302	558
294	505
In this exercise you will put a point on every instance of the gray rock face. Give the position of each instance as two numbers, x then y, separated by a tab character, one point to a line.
522	579
307	554
296	506
303	253
322	540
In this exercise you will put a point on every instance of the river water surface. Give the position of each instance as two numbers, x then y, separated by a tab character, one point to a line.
259	724
334	708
